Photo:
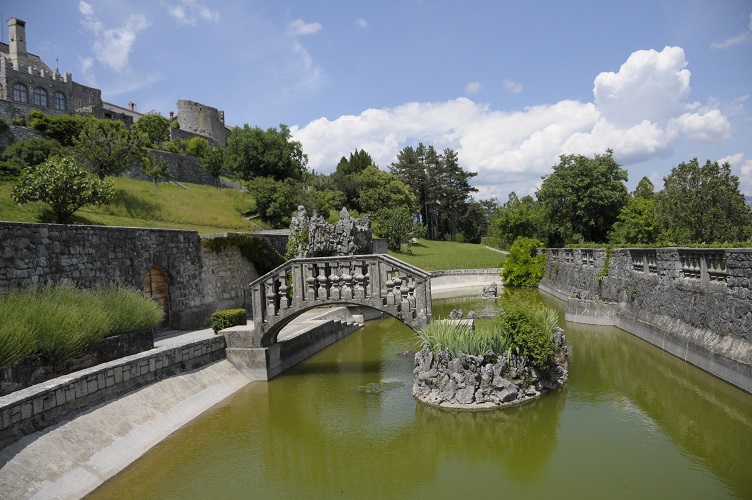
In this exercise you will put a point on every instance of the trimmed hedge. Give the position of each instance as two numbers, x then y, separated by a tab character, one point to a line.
227	318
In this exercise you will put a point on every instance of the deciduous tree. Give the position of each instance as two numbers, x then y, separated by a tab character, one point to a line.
703	204
253	152
582	198
154	127
108	147
64	184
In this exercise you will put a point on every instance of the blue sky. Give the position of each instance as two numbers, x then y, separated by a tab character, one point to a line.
508	85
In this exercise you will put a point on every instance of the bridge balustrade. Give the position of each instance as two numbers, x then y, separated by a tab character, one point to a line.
378	281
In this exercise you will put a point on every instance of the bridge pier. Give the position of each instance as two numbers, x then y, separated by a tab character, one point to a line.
311	333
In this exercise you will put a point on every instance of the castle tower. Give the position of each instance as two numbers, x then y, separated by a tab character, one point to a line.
17	32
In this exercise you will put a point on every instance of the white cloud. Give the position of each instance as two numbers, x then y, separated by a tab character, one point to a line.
191	11
736	39
299	27
512	150
362	23
112	46
650	86
473	87
86	64
512	86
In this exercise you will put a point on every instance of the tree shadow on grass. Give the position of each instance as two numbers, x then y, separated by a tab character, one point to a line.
125	203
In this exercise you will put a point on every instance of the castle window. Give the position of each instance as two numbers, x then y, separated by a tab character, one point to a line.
40	97
60	102
20	92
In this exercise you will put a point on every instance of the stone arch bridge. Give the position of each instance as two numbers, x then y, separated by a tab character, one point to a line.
378	281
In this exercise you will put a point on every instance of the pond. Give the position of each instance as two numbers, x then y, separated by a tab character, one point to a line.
632	422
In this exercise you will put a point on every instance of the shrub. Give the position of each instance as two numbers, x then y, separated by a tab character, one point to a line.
457	337
227	318
523	267
31	152
60	322
528	334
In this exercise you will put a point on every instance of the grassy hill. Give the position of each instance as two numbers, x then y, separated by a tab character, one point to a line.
209	210
137	204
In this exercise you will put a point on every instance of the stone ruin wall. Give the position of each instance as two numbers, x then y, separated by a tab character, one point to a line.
203	120
200	281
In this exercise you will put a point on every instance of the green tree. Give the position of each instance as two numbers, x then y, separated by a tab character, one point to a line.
213	160
64	185
197	146
395	224
276	201
64	128
636	221
108	147
474	222
453	191
582	198
441	187
253	152
31	152
703	204
155	168
517	217
154	127
523	266
378	189
345	174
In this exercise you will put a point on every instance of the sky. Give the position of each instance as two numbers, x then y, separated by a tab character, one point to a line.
510	86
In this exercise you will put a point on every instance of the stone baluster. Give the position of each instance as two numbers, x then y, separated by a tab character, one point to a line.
359	291
284	300
397	287
347	279
310	283
271	306
321	292
335	283
389	289
411	293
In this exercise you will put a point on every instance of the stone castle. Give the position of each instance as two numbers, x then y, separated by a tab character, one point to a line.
27	83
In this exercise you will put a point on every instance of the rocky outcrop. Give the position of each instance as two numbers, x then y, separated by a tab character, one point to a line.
488	381
315	237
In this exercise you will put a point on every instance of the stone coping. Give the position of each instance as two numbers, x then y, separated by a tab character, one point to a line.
44	404
463	272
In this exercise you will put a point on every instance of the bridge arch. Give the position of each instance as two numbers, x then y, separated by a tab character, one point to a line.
378	281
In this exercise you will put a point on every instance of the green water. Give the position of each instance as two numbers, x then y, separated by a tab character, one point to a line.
632	422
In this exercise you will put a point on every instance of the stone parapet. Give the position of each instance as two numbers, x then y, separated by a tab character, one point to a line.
39	406
694	303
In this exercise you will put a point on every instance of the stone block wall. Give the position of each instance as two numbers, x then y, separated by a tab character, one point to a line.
693	303
182	168
200	281
674	282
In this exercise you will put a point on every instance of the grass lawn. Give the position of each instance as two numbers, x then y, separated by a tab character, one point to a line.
137	204
439	255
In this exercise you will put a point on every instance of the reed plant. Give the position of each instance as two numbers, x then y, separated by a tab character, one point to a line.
60	322
519	329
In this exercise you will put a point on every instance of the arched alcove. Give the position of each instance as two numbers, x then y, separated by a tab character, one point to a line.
157	287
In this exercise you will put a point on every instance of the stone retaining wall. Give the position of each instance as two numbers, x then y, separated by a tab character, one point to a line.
39	406
200	281
693	303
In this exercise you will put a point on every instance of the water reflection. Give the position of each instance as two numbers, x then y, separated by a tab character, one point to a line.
628	411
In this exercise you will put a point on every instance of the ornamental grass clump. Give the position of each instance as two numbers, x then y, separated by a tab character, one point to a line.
59	323
520	329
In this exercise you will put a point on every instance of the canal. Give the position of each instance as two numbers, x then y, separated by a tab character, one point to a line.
632	422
